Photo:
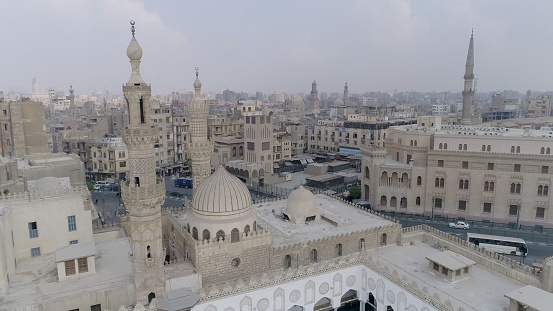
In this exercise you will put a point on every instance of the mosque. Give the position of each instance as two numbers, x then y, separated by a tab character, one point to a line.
221	252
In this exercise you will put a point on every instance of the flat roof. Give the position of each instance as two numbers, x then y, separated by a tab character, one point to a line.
36	279
347	217
483	290
74	251
533	297
324	177
451	260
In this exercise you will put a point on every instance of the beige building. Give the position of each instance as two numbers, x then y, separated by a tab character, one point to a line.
162	118
108	159
22	128
258	142
539	107
479	173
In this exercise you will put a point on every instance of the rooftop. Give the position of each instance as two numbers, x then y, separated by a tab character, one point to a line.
36	279
533	297
337	218
483	290
450	260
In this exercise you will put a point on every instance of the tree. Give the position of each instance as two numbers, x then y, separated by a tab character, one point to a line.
354	193
90	186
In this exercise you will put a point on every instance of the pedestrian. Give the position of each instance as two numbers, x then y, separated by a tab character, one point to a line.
183	204
96	202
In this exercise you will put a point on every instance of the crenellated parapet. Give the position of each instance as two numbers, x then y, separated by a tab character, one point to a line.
143	196
38	195
200	149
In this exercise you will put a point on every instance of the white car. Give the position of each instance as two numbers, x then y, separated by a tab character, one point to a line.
459	225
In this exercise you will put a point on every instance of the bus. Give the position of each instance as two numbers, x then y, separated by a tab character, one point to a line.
499	244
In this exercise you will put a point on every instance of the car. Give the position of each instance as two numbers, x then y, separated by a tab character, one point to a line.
459	225
184	182
175	194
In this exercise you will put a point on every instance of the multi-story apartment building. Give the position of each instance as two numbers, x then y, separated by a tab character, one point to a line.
329	135
479	173
539	107
298	137
22	128
180	133
258	141
162	117
108	159
224	126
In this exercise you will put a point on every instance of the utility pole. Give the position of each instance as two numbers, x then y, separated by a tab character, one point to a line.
432	208
518	215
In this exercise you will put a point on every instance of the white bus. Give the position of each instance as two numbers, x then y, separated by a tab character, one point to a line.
499	244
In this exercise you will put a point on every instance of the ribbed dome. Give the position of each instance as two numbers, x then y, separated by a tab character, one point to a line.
222	193
338	102
301	205
134	51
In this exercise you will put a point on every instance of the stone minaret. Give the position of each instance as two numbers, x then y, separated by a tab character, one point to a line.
71	97
199	146
314	98
142	192
346	95
468	91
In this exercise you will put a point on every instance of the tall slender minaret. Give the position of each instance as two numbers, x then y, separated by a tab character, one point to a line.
142	192
346	94
71	97
199	146
314	98
468	91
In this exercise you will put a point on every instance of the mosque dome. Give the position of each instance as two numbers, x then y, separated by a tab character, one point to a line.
221	194
301	206
134	51
298	100
338	102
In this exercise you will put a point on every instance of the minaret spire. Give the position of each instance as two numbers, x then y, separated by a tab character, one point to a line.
314	98
468	91
346	94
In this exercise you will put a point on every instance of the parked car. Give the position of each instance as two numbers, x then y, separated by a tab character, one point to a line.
459	225
175	194
101	185
184	182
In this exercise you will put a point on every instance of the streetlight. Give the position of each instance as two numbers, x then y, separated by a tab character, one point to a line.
432	208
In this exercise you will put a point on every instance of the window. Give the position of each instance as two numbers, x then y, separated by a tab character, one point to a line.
338	249
540	212
513	210
123	164
489	148
462	205
195	233
487	207
545	169
445	146
251	146
71	222
466	270
445	270
418	201
73	242
512	149
97	307
35	252
543	190
313	255
440	146
70	267
361	244
518	149
460	146
458	272
542	150
206	235
265	146
436	266
235	262
33	230
220	236
483	147
287	261
465	147
437	202
234	235
516	168
419	180
465	165
440	163
490	166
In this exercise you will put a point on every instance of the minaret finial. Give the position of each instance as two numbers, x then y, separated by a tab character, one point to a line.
472	32
132	27
197	72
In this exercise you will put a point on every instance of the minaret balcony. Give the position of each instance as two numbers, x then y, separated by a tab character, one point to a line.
154	193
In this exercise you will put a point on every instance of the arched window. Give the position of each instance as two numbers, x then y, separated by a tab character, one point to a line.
234	235
241	151
418	201
460	184
313	255
361	244
540	190
411	143
383	201
512	149
483	147
545	190
440	146
148	253
403	202
486	186
151	297
542	150
492	186
195	233
513	187
445	146
338	249
234	151
287	261
220	236
419	180
460	146
188	228
393	201
518	149
466	184
442	182
383	239
206	235
548	150
255	226
465	147
437	182
518	188
489	148
415	143
247	229
367	172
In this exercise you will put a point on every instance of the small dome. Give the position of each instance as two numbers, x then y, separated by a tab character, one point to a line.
222	193
301	206
134	51
197	84
298	100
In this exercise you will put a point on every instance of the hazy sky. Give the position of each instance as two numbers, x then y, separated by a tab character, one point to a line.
277	45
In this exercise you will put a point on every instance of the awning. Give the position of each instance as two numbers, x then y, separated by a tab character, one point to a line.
330	192
275	165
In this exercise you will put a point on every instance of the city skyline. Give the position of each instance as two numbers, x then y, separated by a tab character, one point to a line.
249	46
